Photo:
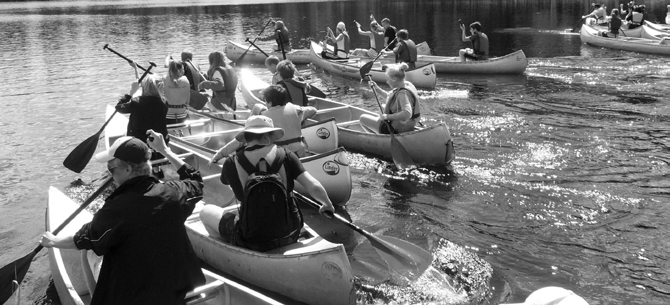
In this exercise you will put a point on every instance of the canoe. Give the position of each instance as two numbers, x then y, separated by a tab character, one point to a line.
234	50
658	26
590	36
653	33
313	270
513	63
421	76
66	267
426	145
207	133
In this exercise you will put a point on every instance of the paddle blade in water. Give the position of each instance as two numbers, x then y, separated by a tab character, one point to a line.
367	264
365	69
400	156
77	160
14	271
405	258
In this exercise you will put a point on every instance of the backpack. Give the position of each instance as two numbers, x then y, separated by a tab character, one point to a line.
269	217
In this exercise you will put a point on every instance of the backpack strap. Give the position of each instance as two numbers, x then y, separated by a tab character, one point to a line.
249	168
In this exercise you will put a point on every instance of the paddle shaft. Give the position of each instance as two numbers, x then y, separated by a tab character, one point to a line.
335	216
365	69
255	46
126	58
380	107
281	45
252	43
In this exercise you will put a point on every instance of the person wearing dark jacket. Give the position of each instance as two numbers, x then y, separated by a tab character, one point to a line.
139	231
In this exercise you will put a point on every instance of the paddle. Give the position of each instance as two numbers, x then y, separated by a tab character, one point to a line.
77	159
578	22
400	156
365	69
401	256
106	47
281	45
239	59
17	270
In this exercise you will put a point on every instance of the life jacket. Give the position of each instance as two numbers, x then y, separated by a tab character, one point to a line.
410	55
296	91
637	18
268	215
192	74
177	98
392	104
343	46
286	117
227	95
283	39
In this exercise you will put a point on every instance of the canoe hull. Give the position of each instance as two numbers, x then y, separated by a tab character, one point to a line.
422	76
513	63
66	268
590	36
234	50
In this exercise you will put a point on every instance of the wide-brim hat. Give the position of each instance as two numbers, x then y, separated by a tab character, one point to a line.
129	149
260	124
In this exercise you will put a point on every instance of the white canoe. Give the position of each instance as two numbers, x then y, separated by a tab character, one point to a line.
234	50
422	76
591	36
66	267
206	133
429	145
513	63
313	270
658	26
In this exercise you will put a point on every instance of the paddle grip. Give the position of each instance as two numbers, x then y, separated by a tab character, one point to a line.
106	47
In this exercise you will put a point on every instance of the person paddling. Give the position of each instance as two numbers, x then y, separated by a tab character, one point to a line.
401	111
139	231
281	36
340	43
268	218
405	51
376	40
480	43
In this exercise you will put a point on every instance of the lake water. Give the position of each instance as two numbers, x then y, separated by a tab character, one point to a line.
562	175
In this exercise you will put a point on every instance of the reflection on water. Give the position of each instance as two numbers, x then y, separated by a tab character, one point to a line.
561	176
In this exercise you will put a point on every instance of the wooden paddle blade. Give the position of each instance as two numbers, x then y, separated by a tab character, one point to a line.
316	92
400	156
407	259
365	69
14	271
77	160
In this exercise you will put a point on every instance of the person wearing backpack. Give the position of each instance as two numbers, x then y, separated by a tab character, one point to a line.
262	176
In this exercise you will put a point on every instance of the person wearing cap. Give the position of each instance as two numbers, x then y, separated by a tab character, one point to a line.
281	36
376	40
284	115
139	231
340	42
259	136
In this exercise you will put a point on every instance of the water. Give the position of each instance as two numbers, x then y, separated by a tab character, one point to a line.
561	176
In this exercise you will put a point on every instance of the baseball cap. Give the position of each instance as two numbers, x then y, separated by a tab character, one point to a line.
129	149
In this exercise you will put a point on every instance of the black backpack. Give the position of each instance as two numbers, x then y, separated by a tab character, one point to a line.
268	215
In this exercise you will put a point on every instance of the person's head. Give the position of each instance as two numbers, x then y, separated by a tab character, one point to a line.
127	158
476	26
216	59
386	23
395	74
176	70
259	130
152	85
341	28
402	35
286	69
668	8
615	13
374	25
596	6
186	55
275	95
271	63
279	25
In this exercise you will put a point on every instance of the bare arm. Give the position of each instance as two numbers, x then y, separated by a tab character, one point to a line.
52	241
463	37
316	190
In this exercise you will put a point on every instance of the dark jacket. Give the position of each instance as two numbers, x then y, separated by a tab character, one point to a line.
148	258
146	112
